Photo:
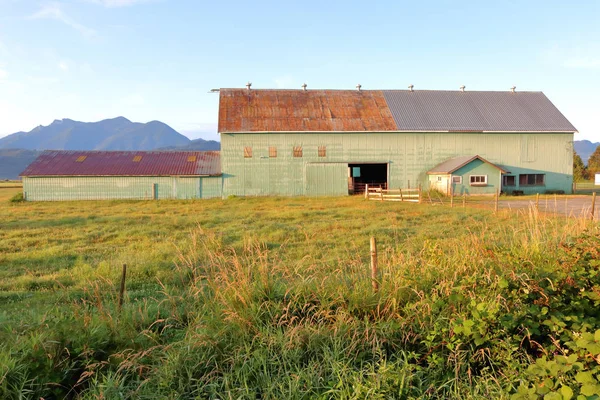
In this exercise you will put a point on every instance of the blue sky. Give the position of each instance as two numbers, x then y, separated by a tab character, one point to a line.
157	59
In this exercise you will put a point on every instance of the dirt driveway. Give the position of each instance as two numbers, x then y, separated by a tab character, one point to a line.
577	206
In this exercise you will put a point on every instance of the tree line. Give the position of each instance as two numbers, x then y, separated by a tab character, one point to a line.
581	172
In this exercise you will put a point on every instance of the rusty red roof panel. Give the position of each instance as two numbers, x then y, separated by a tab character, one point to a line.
242	110
125	163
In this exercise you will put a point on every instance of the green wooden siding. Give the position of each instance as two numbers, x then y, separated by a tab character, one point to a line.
475	167
410	156
120	187
324	179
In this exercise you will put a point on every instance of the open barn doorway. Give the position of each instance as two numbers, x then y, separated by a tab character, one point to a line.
359	175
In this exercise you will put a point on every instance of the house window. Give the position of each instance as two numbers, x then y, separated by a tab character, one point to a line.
509	180
439	178
532	179
478	180
322	151
457	179
297	151
273	152
247	152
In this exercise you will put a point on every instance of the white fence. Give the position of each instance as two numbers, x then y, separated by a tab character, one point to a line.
378	194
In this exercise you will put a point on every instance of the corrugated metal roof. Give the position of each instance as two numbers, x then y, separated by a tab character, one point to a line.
453	164
125	163
242	110
437	110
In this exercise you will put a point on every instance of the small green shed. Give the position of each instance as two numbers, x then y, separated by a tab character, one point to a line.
466	175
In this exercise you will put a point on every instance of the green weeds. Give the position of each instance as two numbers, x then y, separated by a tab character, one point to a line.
271	298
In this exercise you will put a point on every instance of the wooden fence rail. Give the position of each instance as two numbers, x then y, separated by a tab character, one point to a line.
378	194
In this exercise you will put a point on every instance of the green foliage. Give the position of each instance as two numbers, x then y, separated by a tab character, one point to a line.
593	165
271	298
580	172
17	198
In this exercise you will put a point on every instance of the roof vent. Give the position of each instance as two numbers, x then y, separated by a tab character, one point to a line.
513	89
248	85
410	88
462	88
304	85
358	87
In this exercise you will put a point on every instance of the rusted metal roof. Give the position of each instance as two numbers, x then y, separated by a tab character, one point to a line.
437	110
242	110
125	163
453	164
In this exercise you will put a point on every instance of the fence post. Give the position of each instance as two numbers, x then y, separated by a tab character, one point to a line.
593	204
381	193
374	282
367	191
122	289
420	194
537	202
451	196
496	202
401	196
464	200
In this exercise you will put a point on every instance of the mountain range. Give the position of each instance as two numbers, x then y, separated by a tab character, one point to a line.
585	148
19	149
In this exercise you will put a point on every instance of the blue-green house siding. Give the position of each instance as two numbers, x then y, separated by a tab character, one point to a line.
409	156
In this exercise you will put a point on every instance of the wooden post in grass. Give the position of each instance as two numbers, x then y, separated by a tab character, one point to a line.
420	198
367	191
122	289
496	202
374	282
464	200
537	202
451	197
593	204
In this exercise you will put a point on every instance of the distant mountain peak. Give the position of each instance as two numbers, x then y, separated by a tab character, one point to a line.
117	133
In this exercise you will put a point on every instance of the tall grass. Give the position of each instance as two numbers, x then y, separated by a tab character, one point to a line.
274	300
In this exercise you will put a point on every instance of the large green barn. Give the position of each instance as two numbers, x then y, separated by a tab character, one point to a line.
332	142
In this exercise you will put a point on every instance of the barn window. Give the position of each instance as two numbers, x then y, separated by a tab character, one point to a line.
137	158
191	159
478	180
297	151
322	151
273	152
439	178
509	180
457	179
532	179
247	152
81	159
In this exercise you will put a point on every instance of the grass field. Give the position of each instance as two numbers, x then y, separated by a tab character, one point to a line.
272	298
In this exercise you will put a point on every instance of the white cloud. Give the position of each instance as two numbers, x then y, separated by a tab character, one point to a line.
284	82
54	11
118	3
63	66
582	56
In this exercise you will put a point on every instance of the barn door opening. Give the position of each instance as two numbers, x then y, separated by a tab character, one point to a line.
374	175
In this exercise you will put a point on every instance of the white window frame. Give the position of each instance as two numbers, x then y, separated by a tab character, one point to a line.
459	181
484	183
439	178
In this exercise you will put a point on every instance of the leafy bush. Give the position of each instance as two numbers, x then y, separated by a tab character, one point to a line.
17	198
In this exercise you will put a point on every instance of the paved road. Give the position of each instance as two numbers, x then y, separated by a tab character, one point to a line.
575	206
